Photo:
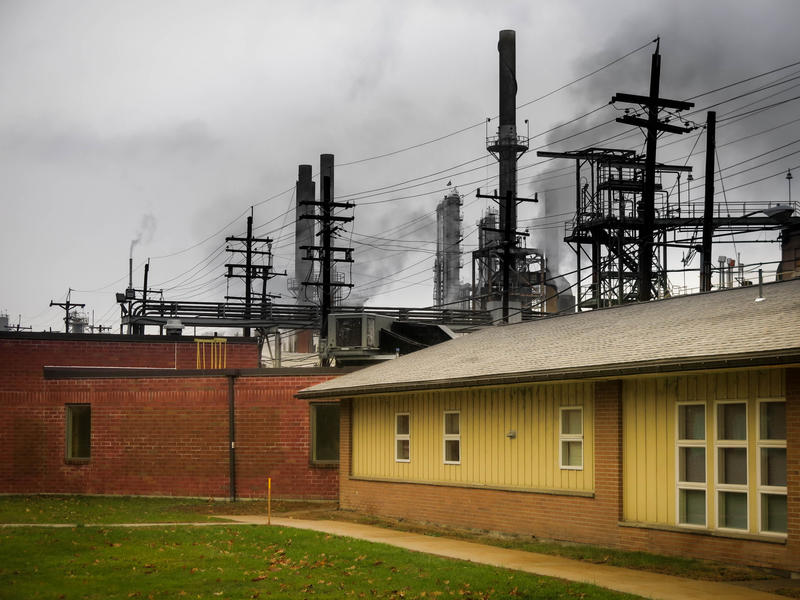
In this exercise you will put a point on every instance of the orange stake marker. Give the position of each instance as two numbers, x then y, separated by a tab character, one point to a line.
269	500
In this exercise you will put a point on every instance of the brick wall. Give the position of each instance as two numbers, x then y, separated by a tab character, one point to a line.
159	435
579	519
165	436
22	355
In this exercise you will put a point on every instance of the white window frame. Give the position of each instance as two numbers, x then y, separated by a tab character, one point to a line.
761	489
451	437
402	436
569	437
690	485
720	444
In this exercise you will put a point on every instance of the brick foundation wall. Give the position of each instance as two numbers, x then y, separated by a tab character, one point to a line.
579	519
155	435
22	355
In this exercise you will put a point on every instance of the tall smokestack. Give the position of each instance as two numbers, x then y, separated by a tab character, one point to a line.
303	232
507	130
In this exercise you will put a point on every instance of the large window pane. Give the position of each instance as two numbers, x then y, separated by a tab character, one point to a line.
691	422
733	510
325	433
773	466
452	451
572	421
772	419
451	423
403	449
692	464
571	454
402	425
773	513
733	466
692	507
732	421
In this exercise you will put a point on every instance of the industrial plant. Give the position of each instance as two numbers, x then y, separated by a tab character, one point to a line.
632	213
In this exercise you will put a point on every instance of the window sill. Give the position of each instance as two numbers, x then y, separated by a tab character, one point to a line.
324	464
769	538
77	461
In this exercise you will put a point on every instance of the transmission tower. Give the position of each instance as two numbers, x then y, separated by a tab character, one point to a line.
251	272
325	253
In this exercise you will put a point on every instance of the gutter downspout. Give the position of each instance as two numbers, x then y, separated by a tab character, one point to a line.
232	433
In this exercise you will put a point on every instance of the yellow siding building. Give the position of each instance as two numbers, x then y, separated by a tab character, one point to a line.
670	426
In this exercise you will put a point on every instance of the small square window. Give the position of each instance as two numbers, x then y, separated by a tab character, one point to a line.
772	421
452	425
452	451
732	421
773	466
79	431
691	422
325	433
571	454
571	421
732	467
733	510
692	507
773	513
692	464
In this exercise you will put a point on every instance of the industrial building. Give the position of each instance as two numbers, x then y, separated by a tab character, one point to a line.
158	415
671	427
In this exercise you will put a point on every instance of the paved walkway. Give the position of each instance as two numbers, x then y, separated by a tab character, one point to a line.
641	583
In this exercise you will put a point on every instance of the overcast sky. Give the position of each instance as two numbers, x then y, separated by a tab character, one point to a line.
165	121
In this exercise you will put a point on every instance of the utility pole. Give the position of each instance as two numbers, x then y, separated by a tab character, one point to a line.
509	241
326	253
20	327
67	306
708	203
652	104
127	298
251	271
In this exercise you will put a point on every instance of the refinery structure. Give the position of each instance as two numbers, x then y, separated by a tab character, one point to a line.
631	215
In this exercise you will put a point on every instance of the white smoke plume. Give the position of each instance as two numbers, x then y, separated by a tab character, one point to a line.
145	232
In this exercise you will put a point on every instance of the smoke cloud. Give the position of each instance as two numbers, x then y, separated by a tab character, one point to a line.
147	228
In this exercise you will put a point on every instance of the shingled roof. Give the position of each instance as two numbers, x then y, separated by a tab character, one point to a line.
720	329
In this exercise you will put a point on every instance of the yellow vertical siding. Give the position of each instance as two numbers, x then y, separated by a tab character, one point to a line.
488	456
649	409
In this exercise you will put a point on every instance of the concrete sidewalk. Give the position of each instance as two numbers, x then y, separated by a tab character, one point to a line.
641	583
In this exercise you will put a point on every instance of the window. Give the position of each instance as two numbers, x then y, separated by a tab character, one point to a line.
691	467
402	437
571	437
325	433
79	431
771	448
452	438
731	456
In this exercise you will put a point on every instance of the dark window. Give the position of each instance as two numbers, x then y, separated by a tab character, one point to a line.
79	431
325	432
348	332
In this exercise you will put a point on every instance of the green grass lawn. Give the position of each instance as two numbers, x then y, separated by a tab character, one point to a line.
106	510
228	561
98	509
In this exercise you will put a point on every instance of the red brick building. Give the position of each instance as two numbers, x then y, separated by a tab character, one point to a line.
107	414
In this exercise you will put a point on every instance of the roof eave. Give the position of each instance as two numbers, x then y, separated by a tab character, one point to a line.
782	357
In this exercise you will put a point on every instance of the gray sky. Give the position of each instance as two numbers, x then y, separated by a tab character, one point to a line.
164	121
